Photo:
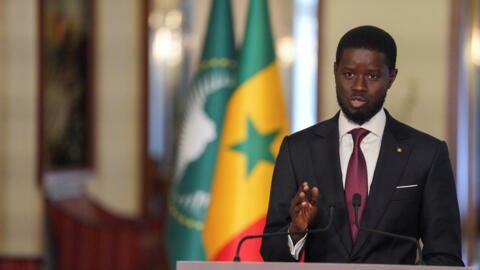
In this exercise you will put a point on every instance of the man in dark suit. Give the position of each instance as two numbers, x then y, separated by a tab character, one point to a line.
404	176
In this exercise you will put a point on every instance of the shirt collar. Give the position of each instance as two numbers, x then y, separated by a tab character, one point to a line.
375	125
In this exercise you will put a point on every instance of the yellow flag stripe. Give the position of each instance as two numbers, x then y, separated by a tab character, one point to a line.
238	200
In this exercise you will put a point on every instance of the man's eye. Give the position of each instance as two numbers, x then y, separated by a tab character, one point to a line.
373	76
348	74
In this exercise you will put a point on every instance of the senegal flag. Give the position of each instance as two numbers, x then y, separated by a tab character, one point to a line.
255	124
199	141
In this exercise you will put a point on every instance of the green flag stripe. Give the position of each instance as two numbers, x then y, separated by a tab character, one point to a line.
258	50
219	40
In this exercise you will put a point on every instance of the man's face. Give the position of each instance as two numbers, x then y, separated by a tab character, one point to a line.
362	79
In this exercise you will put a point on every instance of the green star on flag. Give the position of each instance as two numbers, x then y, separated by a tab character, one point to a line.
256	146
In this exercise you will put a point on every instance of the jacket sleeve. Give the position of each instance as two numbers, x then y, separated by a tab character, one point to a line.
283	189
440	218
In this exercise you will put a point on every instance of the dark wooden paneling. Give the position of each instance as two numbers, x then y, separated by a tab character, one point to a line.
146	164
452	100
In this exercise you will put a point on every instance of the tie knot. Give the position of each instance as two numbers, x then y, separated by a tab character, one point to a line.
358	134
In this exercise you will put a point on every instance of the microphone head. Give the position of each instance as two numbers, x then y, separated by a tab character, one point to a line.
357	200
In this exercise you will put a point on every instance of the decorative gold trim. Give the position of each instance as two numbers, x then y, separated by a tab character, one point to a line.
182	219
217	62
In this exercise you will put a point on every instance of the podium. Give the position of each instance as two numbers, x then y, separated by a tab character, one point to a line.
189	265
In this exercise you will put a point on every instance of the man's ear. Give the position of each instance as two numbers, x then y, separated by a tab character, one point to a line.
335	67
391	77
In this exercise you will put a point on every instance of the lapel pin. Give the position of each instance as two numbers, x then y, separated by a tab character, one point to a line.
399	149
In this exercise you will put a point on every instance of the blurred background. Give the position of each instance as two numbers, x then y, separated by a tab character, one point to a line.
92	95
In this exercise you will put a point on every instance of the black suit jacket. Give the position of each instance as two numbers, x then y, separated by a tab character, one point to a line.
427	211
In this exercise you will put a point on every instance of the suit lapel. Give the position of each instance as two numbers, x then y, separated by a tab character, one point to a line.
393	157
326	164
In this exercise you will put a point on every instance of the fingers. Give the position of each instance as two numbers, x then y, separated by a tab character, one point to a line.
302	201
303	208
301	196
314	197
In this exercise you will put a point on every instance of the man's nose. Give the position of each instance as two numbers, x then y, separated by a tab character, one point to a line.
359	84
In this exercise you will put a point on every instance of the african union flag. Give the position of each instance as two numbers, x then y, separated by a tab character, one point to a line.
199	141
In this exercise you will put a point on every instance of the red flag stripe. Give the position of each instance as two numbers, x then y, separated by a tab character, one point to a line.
250	249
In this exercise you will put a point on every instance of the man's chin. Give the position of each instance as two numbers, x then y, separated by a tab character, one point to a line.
357	117
362	114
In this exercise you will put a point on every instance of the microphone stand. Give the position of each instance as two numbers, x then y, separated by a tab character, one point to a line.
330	220
357	201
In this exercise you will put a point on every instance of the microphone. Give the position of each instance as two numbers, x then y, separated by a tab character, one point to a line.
330	220
357	201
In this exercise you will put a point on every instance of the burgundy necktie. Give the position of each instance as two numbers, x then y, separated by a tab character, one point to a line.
356	180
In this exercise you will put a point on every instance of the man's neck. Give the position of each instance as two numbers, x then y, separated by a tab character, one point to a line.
376	124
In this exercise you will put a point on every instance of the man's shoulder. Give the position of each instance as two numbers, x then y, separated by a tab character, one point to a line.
404	131
319	129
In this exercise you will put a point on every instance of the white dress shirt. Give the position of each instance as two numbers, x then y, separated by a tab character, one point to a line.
370	146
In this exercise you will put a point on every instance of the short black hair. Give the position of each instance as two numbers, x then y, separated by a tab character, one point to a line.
371	38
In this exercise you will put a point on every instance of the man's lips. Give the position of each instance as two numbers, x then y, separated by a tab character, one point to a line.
357	102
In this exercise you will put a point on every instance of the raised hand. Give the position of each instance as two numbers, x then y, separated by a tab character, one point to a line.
303	210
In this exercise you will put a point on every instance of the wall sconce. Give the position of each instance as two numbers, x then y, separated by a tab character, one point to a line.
167	46
286	51
475	47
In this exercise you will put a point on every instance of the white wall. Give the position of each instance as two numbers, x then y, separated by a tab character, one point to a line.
21	207
117	183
